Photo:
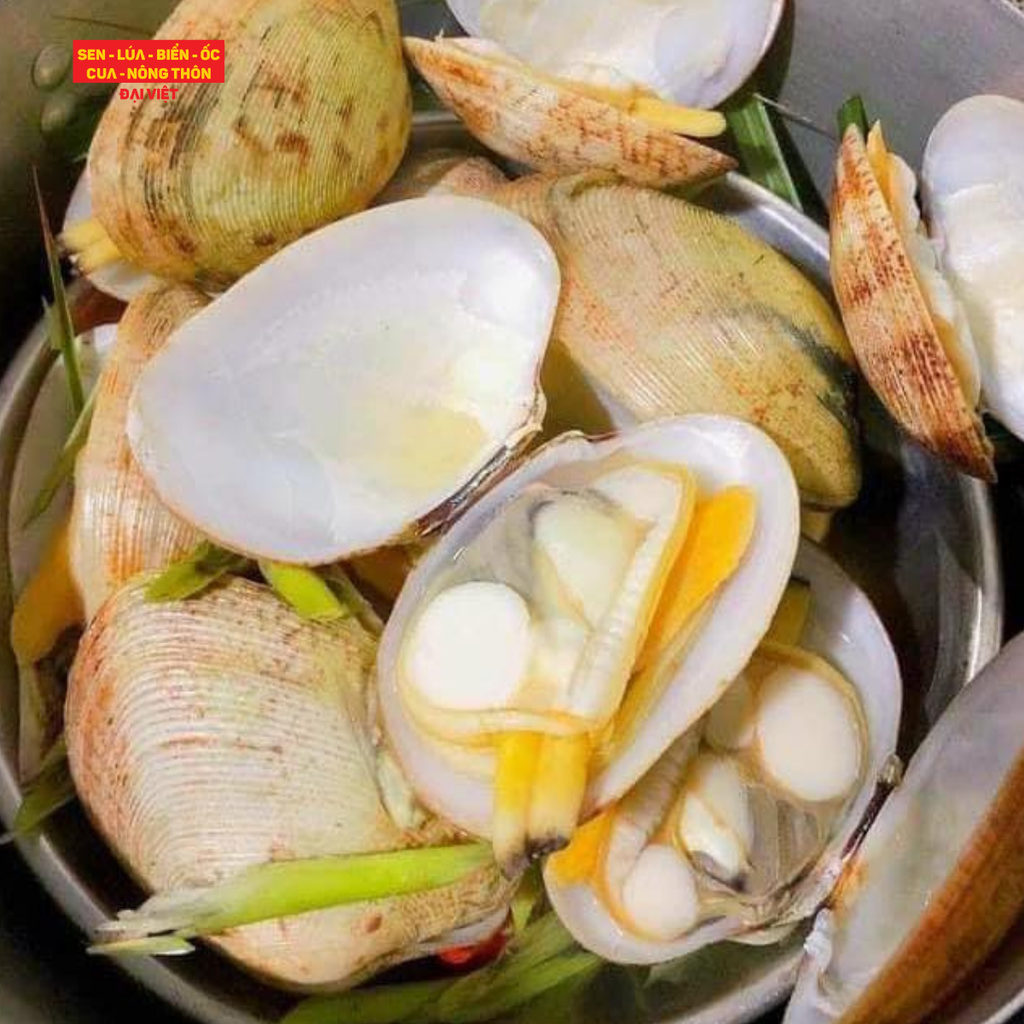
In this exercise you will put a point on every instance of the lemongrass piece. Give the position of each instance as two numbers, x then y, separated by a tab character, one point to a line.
159	945
99	254
64	467
194	573
386	1004
62	332
267	892
304	590
52	789
852	112
82	234
557	796
352	597
518	755
761	156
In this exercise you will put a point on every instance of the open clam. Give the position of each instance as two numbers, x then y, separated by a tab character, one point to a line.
210	735
579	619
559	127
685	51
354	388
907	328
310	122
939	877
744	823
668	309
973	184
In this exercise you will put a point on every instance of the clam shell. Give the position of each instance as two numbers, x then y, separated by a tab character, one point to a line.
209	735
309	124
118	525
442	172
846	631
940	876
536	121
667	309
890	327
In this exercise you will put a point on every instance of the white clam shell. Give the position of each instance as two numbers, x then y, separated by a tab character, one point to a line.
306	414
719	452
693	52
208	735
844	629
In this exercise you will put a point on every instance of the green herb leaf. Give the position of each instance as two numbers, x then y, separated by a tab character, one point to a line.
58	316
758	145
853	112
304	590
52	789
64	467
286	888
386	1004
194	573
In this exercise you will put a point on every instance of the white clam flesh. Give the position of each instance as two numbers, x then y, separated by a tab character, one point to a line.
604	595
692	52
348	392
973	185
730	840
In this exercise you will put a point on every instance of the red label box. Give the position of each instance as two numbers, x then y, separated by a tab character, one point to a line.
148	62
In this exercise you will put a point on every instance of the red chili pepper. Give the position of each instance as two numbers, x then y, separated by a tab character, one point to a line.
475	956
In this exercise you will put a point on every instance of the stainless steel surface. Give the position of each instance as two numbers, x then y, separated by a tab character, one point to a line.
910	58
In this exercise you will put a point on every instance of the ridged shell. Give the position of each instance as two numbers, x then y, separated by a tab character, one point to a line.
535	121
208	735
940	876
309	124
890	327
667	309
442	172
118	525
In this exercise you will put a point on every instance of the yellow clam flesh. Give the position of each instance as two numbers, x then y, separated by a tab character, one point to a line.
668	308
939	878
213	734
310	123
354	389
560	127
742	826
910	334
685	51
579	619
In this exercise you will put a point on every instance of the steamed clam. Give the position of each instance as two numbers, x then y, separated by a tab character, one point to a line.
310	123
560	127
668	308
579	619
939	878
348	392
442	172
743	824
912	338
209	735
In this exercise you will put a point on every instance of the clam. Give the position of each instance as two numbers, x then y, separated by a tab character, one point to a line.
213	734
973	182
442	172
353	390
668	309
560	127
579	619
744	823
939	877
310	122
910	334
685	51
118	526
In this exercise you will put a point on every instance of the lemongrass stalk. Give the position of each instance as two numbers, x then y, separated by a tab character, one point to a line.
52	789
760	154
352	597
304	590
157	945
206	564
527	899
62	333
853	112
267	892
64	467
386	1004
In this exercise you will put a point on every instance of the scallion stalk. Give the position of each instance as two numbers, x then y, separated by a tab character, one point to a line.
52	789
283	889
305	590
